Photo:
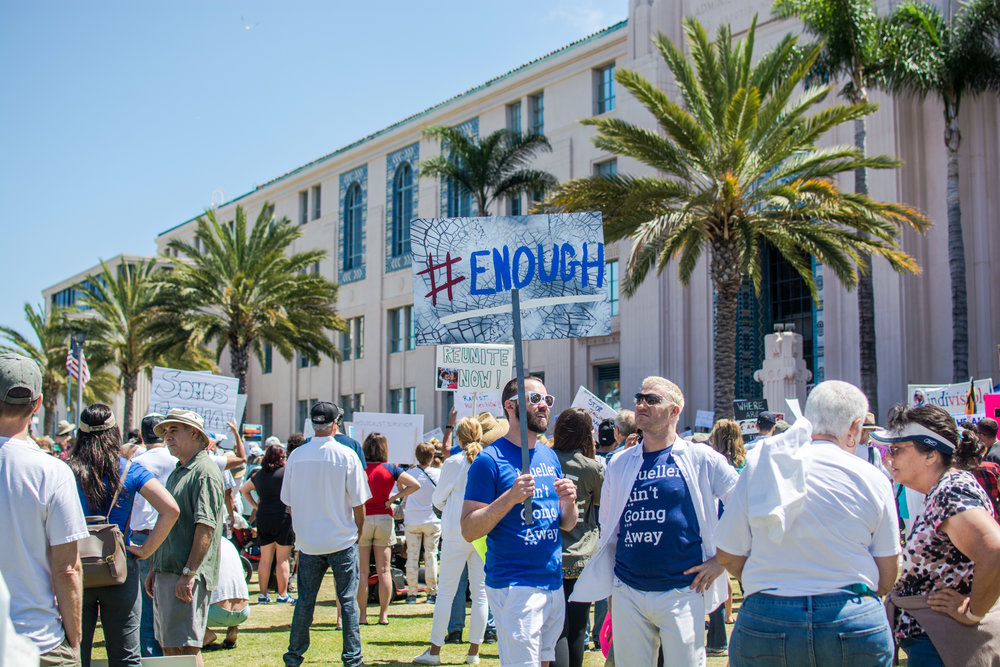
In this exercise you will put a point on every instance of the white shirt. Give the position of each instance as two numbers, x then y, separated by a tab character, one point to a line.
323	483
845	518
231	584
160	463
449	495
39	507
418	509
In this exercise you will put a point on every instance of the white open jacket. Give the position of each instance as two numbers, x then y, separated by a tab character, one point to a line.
709	478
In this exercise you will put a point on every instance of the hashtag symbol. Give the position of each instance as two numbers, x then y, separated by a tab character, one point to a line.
450	282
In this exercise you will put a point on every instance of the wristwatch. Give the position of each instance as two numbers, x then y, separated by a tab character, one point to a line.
185	571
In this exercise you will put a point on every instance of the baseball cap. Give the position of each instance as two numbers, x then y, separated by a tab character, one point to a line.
766	419
147	426
20	380
324	412
606	433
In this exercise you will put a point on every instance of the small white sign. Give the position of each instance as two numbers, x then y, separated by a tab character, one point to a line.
473	366
598	409
704	419
402	431
471	403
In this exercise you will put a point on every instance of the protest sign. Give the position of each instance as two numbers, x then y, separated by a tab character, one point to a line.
748	408
214	397
471	403
969	419
474	366
252	432
793	407
436	434
992	405
598	409
704	419
402	431
464	270
241	407
951	397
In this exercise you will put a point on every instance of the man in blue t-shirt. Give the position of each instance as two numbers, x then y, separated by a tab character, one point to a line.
523	561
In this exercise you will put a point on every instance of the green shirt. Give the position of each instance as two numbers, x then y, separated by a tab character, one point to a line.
197	488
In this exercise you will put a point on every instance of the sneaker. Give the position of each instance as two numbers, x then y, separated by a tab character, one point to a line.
454	637
490	637
716	651
472	659
426	658
264	599
431	599
412	599
288	599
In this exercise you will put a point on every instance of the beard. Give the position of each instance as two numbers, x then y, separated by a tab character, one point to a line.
537	423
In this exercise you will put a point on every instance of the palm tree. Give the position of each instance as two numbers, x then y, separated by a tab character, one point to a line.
119	303
241	290
849	31
48	350
490	168
738	166
950	57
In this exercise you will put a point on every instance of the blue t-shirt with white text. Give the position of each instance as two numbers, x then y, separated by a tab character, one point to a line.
518	554
658	534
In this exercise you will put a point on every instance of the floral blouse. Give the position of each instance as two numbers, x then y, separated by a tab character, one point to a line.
930	560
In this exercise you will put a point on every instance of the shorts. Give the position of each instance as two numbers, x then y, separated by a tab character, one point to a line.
379	530
529	622
275	529
220	618
177	623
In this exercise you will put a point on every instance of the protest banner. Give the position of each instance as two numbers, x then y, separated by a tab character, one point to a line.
471	403
951	397
402	431
992	405
598	409
704	419
969	420
475	366
465	269
214	397
748	408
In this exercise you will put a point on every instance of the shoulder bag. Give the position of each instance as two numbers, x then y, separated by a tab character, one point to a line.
102	553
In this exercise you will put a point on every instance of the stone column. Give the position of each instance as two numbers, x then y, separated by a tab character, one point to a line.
783	373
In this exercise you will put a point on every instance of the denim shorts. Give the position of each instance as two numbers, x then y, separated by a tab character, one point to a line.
834	629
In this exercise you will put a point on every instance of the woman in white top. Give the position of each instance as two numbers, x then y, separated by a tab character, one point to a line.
422	526
456	553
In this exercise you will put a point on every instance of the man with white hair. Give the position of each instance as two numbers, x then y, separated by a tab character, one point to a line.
811	532
656	554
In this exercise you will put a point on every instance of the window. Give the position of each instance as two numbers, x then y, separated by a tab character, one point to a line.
609	384
537	103
606	168
268	358
459	200
351	404
395	401
315	269
266	420
402	330
352	341
514	205
303	207
303	414
232	227
537	196
65	298
410	399
613	284
317	206
402	209
605	88
352	227
514	117
303	361
269	212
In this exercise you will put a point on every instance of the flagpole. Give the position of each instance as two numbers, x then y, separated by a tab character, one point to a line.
79	377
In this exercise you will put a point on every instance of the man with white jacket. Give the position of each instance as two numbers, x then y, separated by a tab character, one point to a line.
656	556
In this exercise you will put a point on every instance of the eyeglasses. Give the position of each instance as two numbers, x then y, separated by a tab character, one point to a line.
895	449
534	398
651	399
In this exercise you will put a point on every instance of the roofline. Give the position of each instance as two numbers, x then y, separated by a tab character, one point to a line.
440	105
81	276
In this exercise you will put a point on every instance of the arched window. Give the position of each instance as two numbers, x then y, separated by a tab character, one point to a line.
352	227
402	209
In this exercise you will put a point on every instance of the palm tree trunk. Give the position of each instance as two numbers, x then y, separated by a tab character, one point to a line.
956	247
239	358
726	277
866	290
129	383
50	416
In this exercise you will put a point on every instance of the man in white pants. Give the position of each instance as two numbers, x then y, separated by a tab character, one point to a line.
656	557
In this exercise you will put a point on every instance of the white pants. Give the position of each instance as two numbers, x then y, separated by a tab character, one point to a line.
641	620
455	555
529	621
429	533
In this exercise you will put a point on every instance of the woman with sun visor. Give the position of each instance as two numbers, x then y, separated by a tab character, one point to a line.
943	606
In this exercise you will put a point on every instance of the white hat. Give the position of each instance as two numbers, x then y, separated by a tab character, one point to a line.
274	440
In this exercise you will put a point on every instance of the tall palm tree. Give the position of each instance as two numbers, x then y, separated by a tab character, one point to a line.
849	31
491	167
119	303
950	57
738	166
240	290
48	350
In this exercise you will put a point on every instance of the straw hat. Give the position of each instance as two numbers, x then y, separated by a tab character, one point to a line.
493	428
186	417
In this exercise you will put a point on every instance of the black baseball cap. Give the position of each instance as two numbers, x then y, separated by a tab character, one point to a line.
606	433
324	412
766	419
147	425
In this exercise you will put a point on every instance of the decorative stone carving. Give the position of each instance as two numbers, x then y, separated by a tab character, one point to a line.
784	373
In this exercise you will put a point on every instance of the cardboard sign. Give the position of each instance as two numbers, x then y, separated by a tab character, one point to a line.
474	366
598	409
465	268
471	403
214	397
951	397
704	419
402	431
748	408
436	434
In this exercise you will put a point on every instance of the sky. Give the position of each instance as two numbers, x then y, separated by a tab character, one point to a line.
118	120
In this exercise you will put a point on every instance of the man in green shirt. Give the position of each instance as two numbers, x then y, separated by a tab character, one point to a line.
186	566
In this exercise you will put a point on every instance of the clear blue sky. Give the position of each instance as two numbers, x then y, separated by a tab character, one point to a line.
119	119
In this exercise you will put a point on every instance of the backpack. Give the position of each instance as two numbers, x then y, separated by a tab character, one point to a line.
102	553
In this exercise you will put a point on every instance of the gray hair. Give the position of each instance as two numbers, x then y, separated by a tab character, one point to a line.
625	422
834	405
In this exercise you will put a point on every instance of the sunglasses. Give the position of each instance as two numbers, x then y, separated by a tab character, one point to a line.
534	398
896	449
651	399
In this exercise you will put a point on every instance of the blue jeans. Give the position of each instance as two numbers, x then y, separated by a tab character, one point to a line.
457	620
920	652
311	571
839	628
148	646
118	607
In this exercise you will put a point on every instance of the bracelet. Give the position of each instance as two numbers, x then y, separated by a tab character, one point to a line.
973	617
448	426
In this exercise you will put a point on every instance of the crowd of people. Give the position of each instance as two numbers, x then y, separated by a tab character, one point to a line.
618	535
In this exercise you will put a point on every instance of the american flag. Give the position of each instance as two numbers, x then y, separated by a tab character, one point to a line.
71	355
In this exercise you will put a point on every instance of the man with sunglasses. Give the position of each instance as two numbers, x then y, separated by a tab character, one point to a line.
656	557
523	560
